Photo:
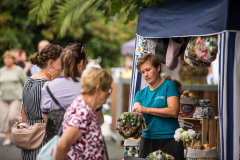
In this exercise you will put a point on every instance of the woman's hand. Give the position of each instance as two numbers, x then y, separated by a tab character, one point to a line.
139	108
53	73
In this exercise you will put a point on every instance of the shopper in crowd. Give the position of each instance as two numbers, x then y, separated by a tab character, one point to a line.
81	127
16	53
49	62
66	87
159	103
43	43
22	62
12	79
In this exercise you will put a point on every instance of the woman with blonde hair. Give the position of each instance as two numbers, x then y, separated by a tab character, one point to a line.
49	62
12	79
82	134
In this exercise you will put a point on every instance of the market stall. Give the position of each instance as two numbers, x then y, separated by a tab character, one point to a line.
184	18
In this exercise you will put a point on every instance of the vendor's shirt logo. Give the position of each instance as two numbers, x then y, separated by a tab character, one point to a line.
159	97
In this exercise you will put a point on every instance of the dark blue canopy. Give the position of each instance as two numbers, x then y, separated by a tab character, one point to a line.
189	18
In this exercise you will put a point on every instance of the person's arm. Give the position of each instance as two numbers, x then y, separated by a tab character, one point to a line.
68	138
45	102
169	112
45	117
27	67
24	117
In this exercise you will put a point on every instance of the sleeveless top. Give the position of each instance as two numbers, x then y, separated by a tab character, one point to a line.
32	100
32	107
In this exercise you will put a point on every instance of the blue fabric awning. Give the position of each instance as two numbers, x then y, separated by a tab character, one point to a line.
188	18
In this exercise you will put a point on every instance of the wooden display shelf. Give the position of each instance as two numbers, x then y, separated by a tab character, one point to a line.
209	129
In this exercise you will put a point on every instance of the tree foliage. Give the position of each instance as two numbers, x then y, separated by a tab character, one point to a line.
64	13
15	28
131	7
98	38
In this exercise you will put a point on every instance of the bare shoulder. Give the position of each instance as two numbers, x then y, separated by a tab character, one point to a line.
39	75
46	83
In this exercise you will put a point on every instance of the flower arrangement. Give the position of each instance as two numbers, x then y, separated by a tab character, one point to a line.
185	136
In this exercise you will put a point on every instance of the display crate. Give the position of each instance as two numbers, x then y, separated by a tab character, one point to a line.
209	129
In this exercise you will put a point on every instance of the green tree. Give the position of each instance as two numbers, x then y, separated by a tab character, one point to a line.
65	13
82	20
98	38
102	39
15	30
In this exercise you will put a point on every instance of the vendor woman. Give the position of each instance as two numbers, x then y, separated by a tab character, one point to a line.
159	103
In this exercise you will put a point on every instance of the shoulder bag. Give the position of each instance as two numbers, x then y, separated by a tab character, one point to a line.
55	118
28	137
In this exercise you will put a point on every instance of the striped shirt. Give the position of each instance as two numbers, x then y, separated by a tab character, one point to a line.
31	102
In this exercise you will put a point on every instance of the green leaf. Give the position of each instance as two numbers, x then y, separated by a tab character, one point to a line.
107	20
71	12
116	6
131	15
40	10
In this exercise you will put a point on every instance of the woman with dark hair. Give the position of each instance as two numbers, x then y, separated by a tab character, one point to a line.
160	103
66	87
49	61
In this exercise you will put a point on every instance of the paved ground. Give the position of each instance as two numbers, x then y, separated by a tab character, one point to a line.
11	152
115	152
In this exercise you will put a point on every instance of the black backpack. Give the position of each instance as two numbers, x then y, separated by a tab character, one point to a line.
55	118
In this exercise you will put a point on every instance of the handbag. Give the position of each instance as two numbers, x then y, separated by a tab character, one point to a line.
191	57
55	118
28	137
131	124
204	110
172	54
48	151
159	155
186	110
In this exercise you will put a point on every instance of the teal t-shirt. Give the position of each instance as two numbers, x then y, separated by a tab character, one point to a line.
158	127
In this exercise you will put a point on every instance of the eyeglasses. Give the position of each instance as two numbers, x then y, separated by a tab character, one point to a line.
110	90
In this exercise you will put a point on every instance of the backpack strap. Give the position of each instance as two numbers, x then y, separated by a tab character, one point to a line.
53	98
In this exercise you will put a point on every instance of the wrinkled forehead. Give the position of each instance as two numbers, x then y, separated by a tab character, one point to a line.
146	65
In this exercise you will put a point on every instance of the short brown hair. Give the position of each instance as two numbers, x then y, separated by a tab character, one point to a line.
155	61
51	51
95	76
9	54
70	58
